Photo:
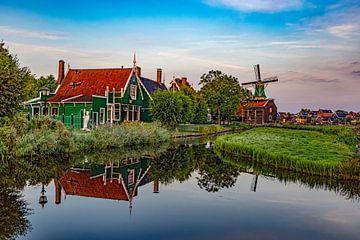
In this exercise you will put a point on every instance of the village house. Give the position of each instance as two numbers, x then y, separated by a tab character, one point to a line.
94	97
179	83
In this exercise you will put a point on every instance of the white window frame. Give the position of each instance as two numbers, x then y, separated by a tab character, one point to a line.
102	119
57	111
131	177
119	110
133	89
32	112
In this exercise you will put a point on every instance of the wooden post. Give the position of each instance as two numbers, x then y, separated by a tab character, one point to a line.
255	117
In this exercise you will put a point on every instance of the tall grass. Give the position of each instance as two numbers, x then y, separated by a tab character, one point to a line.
42	138
298	150
119	136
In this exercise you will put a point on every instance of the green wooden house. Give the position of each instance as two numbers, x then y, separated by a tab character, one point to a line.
94	97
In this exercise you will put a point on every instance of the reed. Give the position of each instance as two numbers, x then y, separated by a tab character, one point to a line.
305	151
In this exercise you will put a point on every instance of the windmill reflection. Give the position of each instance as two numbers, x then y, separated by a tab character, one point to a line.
116	180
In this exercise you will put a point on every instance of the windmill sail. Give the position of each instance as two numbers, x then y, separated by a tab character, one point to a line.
257	72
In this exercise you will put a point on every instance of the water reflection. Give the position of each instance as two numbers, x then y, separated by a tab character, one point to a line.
118	176
115	180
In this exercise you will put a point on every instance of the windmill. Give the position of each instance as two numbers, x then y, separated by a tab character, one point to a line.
259	84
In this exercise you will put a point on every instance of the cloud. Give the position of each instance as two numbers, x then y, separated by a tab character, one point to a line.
11	31
297	77
258	5
343	30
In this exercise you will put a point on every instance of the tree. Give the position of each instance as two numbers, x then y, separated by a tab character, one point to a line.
223	93
171	108
34	85
199	106
12	82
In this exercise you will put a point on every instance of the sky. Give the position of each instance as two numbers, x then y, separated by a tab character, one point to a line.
312	46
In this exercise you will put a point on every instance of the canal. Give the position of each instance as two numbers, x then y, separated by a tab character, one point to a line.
180	191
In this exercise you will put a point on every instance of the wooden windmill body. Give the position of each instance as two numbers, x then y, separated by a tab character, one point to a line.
260	109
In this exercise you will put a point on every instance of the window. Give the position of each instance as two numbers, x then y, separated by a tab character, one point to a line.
270	110
117	111
54	111
36	111
95	119
131	177
133	92
45	111
102	115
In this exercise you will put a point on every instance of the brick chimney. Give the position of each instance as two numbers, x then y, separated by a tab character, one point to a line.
156	186
57	191
158	75
61	73
183	81
138	71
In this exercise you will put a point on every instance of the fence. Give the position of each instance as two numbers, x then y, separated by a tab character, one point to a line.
71	121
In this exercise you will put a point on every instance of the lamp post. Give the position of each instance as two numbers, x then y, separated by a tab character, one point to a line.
43	199
45	92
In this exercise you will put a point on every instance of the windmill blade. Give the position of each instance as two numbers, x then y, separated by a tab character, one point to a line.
248	83
271	79
257	72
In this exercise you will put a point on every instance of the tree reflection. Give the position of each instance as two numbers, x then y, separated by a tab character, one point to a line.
13	212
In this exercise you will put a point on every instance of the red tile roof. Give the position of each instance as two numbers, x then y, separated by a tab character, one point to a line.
90	82
79	183
261	103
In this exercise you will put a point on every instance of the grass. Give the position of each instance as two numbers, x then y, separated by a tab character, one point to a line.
49	138
321	152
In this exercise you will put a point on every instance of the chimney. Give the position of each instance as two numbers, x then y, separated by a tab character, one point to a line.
158	75
61	73
57	191
183	80
138	71
156	186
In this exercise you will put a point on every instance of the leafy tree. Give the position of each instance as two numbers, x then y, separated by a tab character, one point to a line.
34	85
222	93
12	82
171	108
199	106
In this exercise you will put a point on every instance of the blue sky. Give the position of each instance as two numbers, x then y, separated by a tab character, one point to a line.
312	46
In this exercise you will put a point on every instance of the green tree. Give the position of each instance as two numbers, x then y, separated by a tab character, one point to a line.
199	106
171	108
34	85
12	82
223	93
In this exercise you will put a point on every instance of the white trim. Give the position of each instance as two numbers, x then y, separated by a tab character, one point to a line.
74	97
99	96
32	110
102	121
117	119
31	100
127	82
141	83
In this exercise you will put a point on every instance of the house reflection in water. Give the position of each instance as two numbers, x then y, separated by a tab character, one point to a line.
117	180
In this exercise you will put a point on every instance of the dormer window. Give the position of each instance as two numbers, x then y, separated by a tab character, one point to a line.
133	91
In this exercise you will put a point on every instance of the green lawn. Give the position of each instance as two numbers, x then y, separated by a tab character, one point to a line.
301	150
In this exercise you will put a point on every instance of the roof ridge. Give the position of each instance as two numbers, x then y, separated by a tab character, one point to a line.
100	69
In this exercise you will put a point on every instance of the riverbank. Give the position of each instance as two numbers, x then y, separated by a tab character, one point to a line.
314	151
47	138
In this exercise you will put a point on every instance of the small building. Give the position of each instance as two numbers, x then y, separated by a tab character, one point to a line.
259	111
94	97
179	83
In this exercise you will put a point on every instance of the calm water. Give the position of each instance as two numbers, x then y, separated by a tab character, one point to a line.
184	192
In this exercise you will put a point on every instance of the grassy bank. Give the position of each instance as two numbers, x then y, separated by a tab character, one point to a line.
320	152
48	138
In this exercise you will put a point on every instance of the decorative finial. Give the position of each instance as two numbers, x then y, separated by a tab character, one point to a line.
134	59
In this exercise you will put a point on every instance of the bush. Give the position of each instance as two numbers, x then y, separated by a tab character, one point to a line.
40	137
